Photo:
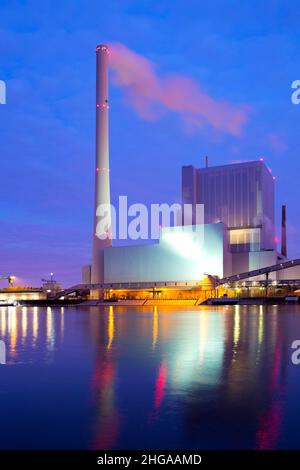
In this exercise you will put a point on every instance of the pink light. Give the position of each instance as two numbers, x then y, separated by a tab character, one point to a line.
102	169
102	49
261	159
274	178
160	384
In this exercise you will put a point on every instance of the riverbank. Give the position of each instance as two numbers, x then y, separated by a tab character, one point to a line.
161	302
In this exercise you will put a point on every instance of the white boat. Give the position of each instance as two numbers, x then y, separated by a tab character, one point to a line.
8	303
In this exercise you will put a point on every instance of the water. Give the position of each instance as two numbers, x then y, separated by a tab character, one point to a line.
160	378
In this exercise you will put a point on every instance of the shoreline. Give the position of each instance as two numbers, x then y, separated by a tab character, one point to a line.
158	302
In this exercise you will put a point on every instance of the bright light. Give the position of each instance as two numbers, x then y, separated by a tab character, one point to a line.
184	243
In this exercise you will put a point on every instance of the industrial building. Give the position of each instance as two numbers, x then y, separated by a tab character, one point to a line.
240	195
239	224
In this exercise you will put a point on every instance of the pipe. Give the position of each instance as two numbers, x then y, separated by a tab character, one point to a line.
283	232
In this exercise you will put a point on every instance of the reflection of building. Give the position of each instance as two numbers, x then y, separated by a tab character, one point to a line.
31	327
213	379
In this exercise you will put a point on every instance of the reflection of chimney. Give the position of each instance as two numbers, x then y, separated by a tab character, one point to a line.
283	232
102	187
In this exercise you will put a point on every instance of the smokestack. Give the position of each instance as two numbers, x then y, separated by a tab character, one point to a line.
206	161
283	232
102	186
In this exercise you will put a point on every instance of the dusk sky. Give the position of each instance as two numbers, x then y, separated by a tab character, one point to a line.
208	78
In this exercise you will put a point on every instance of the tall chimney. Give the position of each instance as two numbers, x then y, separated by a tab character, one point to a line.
206	161
283	232
102	186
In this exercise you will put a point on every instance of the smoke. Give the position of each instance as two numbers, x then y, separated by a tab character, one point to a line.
151	94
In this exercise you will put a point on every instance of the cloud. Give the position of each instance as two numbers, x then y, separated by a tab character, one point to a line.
277	142
151	94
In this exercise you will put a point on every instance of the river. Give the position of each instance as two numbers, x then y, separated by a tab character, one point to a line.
150	378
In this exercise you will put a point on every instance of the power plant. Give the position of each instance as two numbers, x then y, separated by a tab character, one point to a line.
234	250
238	232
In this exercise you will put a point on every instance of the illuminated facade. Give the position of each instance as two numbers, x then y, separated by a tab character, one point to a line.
182	254
237	236
241	195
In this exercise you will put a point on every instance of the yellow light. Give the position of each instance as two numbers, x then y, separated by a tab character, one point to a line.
50	328
24	323
260	325
35	324
155	327
111	327
236	328
13	331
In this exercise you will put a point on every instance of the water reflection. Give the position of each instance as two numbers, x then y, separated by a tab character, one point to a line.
111	327
50	331
12	329
156	378
24	323
155	327
160	385
35	326
22	328
227	376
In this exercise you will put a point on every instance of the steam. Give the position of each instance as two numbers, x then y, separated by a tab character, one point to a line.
150	94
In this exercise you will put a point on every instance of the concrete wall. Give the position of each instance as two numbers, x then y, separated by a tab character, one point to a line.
182	254
86	274
243	262
291	273
240	195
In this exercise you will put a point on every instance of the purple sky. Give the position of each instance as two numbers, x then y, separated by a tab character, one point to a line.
242	53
